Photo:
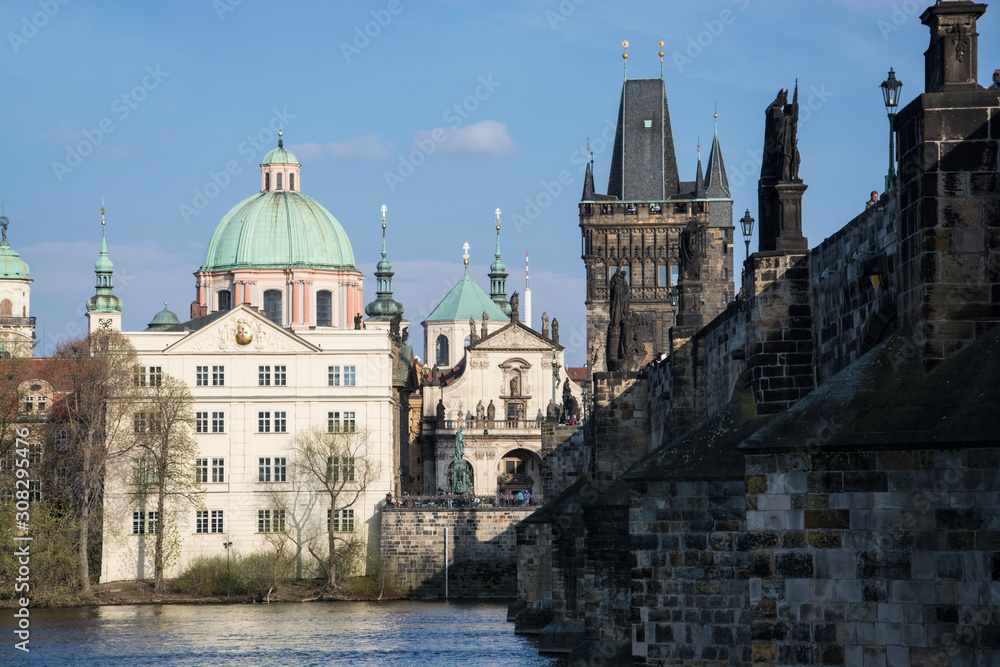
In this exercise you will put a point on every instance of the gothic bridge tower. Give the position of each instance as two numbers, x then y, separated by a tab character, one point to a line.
638	223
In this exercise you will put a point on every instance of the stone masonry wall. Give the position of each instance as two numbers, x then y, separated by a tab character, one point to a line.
564	458
872	558
482	550
689	573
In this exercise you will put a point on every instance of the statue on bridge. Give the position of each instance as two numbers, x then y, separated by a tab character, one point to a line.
460	475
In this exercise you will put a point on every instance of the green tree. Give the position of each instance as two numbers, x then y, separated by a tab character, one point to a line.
162	463
341	466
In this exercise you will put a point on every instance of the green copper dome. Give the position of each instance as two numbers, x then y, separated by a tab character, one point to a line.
280	155
12	267
466	299
279	229
164	318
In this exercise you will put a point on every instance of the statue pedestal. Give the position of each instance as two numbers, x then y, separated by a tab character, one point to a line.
689	313
780	205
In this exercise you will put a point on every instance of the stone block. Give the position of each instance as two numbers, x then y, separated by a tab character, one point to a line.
848	590
898	656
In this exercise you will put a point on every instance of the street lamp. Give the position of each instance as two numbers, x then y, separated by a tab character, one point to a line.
747	223
228	580
890	95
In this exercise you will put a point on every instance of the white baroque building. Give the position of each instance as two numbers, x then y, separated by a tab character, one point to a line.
271	350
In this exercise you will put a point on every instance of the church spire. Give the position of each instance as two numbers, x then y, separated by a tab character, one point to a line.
699	179
588	179
104	309
384	307
717	185
498	276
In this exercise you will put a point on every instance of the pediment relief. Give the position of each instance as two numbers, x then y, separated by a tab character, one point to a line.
515	337
241	330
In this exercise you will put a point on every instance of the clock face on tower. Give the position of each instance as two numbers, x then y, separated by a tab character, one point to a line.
104	324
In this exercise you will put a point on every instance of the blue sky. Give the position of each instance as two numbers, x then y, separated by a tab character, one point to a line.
174	103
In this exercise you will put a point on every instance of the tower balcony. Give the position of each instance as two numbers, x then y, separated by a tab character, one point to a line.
17	321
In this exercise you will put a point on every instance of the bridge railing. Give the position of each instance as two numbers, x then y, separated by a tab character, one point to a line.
473	502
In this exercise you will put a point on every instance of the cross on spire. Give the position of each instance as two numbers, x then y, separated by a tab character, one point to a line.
465	247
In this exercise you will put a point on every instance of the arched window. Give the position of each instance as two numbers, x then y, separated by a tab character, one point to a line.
225	300
267	181
291	181
324	309
6	308
442	350
277	181
272	305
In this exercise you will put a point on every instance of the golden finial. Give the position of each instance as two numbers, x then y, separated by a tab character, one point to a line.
625	46
660	44
281	133
716	116
102	213
383	216
498	219
465	247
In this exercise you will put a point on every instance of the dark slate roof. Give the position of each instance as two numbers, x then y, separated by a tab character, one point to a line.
884	399
717	185
588	184
699	181
196	323
643	164
709	451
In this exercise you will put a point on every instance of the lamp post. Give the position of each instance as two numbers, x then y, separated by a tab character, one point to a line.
747	223
890	95
228	580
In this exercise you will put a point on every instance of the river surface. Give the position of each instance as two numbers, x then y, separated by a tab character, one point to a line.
399	634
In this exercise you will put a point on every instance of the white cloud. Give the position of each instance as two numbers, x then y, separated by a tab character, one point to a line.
484	138
369	146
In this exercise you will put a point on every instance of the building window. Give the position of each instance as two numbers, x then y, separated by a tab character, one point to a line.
270	521
144	473
201	470
225	300
201	422
280	422
218	470
680	207
631	209
341	468
333	376
661	275
218	376
442	351
291	181
264	469
280	374
264	376
155	376
324	308
277	181
725	274
513	466
201	521
350	376
218	422
145	523
267	181
280	469
272	305
263	422
217	521
268	473
341	422
675	274
29	403
343	521
34	491
626	270
40	402
201	376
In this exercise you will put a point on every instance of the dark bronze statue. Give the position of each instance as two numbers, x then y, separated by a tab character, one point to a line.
555	331
515	301
357	322
440	410
624	350
781	152
491	411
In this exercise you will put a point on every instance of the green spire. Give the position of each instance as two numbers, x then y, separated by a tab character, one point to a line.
498	277
384	307
105	300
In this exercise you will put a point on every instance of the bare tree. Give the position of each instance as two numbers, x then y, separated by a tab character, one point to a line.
163	462
97	373
342	466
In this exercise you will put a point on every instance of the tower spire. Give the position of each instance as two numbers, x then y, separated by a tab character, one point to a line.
384	307
498	275
717	183
104	309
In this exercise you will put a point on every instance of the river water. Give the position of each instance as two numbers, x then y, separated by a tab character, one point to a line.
399	634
